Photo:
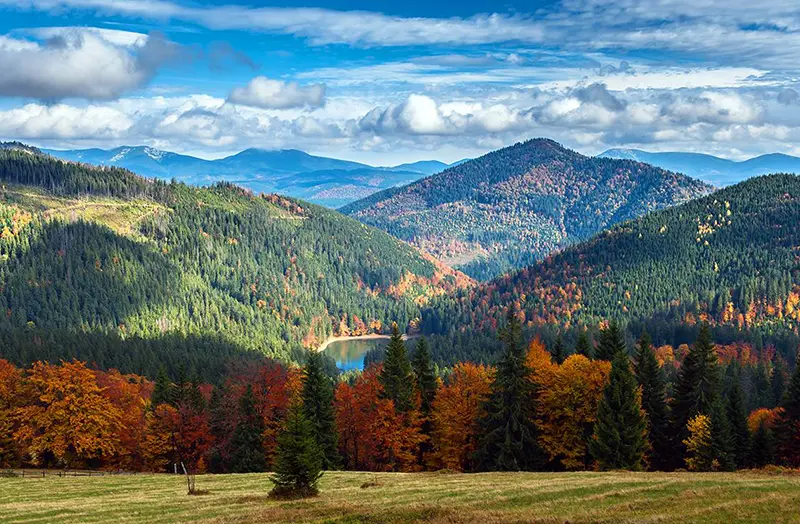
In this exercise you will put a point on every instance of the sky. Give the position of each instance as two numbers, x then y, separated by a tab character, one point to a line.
389	82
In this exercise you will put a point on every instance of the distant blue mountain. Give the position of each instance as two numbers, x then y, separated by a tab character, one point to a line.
326	181
711	169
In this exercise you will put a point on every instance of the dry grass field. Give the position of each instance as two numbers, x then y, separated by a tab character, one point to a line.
413	497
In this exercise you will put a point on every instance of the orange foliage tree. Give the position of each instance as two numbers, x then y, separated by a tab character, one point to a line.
129	394
69	418
458	407
10	378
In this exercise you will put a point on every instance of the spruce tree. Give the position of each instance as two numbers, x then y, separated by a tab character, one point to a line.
298	466
219	424
583	346
620	433
650	377
396	376
787	428
558	350
163	390
424	376
778	380
721	441
762	452
318	408
697	387
737	416
247	444
612	341
508	439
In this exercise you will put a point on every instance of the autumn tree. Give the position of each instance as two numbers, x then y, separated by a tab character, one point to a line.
355	407
318	408
10	381
456	411
508	431
396	376
620	433
787	427
650	377
699	446
298	464
247	442
69	419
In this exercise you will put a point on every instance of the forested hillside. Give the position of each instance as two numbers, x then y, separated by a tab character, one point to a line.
514	206
730	258
106	266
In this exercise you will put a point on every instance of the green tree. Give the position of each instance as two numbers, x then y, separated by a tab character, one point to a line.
737	416
298	466
778	380
612	341
762	452
508	433
787	428
558	350
650	377
318	409
163	391
247	444
396	376
620	433
583	346
697	387
424	376
722	442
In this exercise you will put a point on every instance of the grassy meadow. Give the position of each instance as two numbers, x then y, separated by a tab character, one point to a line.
413	497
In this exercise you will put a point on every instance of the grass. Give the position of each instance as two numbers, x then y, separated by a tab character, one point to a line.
413	497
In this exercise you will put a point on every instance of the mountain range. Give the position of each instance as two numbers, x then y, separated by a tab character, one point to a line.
517	205
714	170
326	181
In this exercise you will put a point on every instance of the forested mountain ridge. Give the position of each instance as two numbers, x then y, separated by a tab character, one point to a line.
95	260
731	258
514	206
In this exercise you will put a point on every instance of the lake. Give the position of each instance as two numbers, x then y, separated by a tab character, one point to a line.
349	354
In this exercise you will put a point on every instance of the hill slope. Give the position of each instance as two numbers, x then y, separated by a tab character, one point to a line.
732	258
711	169
514	206
326	181
100	264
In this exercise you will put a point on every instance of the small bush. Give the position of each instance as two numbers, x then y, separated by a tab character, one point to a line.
286	493
373	483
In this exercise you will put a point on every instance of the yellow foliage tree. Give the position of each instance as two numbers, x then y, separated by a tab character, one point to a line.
699	445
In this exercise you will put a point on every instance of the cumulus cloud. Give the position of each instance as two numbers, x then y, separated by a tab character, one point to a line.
275	94
74	63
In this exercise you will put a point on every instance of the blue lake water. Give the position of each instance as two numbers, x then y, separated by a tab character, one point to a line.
349	354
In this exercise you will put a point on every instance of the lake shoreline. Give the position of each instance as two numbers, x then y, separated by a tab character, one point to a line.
371	336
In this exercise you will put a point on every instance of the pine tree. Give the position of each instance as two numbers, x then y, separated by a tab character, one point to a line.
163	392
762	452
583	346
787	428
620	433
737	416
558	350
424	377
721	441
612	341
508	432
298	466
778	380
697	386
247	444
318	409
650	377
396	376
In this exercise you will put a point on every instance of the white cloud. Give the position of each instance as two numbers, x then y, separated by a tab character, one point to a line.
64	122
275	94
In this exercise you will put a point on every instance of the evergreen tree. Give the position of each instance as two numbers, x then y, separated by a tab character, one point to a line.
612	341
318	409
620	433
722	443
737	416
650	377
396	377
778	380
247	445
763	449
558	350
163	390
697	386
583	346
508	432
298	466
787	429
424	377
219	425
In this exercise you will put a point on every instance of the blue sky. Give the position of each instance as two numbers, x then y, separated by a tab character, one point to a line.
387	82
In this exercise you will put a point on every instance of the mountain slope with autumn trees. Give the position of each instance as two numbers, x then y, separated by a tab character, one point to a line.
730	258
106	266
512	207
